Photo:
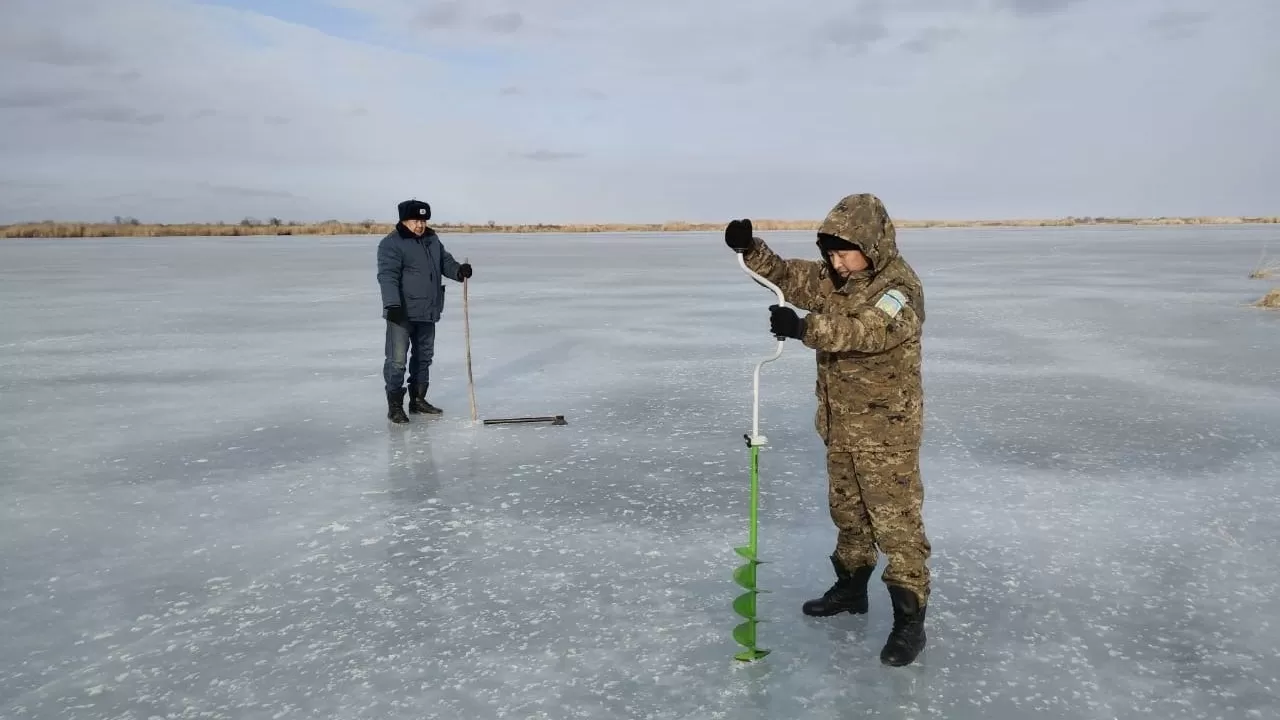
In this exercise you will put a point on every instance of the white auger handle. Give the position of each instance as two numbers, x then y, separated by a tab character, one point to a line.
755	438
742	263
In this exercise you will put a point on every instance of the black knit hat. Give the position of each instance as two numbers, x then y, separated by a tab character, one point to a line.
831	242
410	209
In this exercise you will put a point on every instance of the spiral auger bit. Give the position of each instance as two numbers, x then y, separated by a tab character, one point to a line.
744	575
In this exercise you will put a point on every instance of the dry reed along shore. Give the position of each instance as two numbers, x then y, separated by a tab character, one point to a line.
129	227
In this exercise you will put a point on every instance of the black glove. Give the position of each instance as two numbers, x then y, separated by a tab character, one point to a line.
464	271
738	235
784	322
396	314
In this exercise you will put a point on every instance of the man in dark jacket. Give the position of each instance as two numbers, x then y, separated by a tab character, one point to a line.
411	263
865	318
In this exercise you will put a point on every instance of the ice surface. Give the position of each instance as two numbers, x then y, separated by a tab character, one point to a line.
206	514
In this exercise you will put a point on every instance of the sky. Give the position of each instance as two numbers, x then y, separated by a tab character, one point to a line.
636	111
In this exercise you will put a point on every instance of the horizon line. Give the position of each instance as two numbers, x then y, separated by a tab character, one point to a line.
132	227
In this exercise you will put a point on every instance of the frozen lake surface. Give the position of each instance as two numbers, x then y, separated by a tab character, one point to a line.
207	515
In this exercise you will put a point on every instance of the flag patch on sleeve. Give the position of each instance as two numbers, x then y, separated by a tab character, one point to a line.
892	303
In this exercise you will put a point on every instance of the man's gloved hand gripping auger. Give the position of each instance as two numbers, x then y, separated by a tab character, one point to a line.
784	322
738	235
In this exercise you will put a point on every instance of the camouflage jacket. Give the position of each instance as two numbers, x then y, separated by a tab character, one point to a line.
866	332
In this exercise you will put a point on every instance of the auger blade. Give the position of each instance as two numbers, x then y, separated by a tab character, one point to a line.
745	634
746	552
745	575
745	605
750	655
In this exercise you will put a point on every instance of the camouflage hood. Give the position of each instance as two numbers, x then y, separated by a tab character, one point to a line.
861	221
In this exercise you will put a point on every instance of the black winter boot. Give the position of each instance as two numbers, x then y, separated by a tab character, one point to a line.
395	407
418	400
906	640
849	594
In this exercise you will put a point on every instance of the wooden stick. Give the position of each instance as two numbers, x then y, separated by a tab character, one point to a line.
466	324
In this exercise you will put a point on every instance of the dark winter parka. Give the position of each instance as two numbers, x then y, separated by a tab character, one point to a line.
410	270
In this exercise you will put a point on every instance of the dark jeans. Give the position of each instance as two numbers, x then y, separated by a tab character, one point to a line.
400	336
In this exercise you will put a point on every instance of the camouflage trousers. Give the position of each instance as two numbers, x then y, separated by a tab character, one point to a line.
875	500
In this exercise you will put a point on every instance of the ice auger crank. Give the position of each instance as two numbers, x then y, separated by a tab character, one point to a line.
745	575
471	383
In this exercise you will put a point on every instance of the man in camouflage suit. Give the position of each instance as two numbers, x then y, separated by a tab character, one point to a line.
865	311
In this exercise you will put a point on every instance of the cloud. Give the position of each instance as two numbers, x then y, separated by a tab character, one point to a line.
454	15
549	155
244	192
856	34
504	22
50	49
930	40
123	115
441	15
38	98
1179	23
1038	8
552	110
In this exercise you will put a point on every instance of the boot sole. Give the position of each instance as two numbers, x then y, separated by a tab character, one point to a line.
897	662
834	612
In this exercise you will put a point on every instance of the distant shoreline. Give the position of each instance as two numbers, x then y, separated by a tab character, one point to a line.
129	227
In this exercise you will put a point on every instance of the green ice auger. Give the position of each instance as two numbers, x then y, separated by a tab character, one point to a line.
745	575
